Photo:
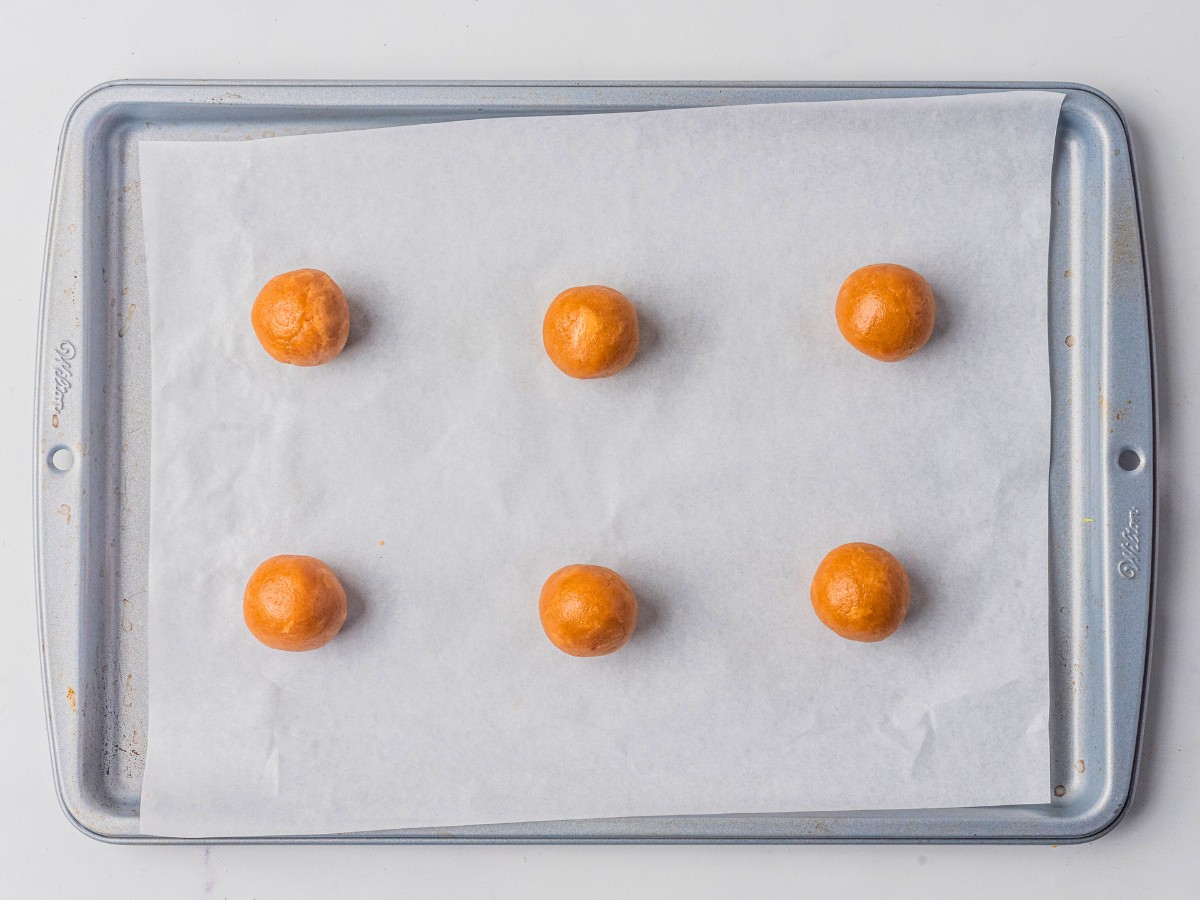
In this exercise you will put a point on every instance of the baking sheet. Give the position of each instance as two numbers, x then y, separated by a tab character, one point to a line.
745	441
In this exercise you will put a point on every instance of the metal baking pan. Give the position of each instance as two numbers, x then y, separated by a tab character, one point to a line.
92	449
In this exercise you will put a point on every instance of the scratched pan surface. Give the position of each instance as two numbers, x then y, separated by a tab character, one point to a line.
92	448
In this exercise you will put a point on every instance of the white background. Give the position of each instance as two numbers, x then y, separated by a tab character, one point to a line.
1143	55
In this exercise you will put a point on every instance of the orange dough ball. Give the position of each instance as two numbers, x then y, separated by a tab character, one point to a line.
591	331
301	318
886	311
294	603
861	592
587	610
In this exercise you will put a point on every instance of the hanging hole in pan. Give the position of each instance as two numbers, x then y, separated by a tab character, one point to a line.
61	459
1129	460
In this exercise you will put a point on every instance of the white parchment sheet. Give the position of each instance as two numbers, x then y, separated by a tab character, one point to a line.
444	467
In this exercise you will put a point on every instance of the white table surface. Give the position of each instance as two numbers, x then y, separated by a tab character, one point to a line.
1144	55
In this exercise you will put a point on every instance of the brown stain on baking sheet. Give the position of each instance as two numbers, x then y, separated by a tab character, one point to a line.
1080	766
71	699
65	512
1070	341
54	420
1126	244
128	318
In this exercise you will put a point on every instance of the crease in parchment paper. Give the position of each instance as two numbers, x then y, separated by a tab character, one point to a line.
444	468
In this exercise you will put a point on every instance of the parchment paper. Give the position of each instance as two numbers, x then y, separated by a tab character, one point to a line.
445	468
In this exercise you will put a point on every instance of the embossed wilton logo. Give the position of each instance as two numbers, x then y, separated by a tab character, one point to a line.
63	354
1131	546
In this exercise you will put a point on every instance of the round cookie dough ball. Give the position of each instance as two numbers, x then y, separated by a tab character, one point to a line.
587	610
861	592
294	603
590	331
886	311
301	318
